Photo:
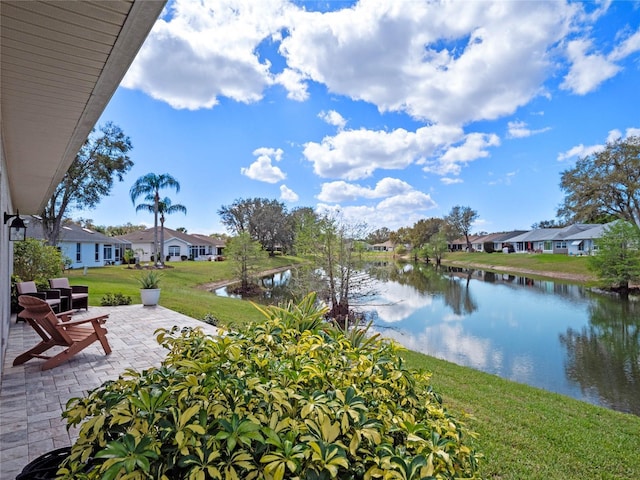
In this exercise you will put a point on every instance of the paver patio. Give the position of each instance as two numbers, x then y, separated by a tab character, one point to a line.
32	401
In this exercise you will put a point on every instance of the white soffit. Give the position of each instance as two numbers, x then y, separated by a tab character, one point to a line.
61	61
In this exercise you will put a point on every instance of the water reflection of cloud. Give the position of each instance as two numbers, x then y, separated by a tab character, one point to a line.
450	342
395	302
521	369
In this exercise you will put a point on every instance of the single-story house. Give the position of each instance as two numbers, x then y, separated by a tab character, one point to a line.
83	247
548	240
387	246
584	243
498	240
59	69
177	245
577	239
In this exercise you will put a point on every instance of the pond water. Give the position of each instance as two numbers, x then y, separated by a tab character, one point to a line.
559	337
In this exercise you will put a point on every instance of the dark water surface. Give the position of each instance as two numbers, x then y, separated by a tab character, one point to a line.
559	337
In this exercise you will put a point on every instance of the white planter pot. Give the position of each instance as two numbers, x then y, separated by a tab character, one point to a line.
150	296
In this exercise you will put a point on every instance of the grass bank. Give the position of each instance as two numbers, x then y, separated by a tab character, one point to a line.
525	433
181	286
565	267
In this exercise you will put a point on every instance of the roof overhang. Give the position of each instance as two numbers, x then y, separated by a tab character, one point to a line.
61	61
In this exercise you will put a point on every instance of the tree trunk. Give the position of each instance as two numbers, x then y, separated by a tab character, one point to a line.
156	199
162	239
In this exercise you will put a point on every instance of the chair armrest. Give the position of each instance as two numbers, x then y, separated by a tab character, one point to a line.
65	316
80	288
79	321
65	292
51	293
40	295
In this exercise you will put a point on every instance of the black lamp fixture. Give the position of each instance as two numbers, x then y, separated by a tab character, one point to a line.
17	229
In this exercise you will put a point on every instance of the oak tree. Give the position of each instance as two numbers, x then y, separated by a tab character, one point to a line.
101	159
604	185
460	220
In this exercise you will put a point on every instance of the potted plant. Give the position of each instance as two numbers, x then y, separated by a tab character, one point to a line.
149	287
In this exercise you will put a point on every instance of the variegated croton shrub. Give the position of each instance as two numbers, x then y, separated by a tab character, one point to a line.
293	397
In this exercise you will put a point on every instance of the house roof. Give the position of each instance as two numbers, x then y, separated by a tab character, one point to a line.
147	236
60	64
69	232
542	234
595	232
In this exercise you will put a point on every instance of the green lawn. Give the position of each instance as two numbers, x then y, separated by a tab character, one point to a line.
542	262
524	432
180	287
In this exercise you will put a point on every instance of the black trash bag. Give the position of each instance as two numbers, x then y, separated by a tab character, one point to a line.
45	466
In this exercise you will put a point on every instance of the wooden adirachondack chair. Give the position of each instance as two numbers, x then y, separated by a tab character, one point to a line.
78	294
59	330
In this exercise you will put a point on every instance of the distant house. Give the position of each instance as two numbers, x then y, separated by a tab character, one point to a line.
83	247
584	242
577	239
498	241
387	246
549	240
177	245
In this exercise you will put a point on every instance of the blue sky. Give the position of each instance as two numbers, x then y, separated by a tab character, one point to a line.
386	110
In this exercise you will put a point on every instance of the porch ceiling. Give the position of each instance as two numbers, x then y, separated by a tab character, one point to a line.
61	61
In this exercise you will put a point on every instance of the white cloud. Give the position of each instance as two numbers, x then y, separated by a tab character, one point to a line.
633	132
519	129
294	83
505	180
627	47
588	70
581	151
288	195
262	169
333	118
209	49
451	181
341	191
444	62
356	154
440	61
454	158
392	212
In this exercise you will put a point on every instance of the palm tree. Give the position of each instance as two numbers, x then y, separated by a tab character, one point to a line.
164	208
150	186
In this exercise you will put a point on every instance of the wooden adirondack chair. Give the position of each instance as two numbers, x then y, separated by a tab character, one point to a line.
59	330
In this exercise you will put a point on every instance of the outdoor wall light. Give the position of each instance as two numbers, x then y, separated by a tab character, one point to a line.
17	229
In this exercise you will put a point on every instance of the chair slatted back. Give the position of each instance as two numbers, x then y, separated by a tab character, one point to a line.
26	287
59	283
41	313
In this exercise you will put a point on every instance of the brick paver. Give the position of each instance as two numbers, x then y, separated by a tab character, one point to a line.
31	400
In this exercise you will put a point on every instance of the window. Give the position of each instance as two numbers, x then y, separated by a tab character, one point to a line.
174	251
108	252
78	252
561	244
97	252
548	245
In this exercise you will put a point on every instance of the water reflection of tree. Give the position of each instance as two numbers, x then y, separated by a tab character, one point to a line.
604	358
429	280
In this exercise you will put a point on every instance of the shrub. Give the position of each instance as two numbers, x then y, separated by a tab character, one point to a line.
37	261
115	299
488	247
211	319
290	398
